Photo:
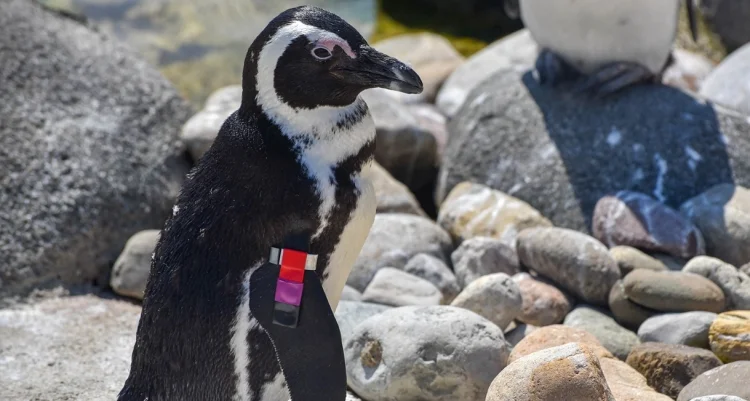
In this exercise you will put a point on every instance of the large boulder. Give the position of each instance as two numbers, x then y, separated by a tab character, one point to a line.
88	148
727	84
728	18
562	152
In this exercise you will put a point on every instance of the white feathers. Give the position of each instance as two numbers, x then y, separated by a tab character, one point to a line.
238	341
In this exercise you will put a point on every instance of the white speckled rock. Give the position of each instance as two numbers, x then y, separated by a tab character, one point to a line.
349	314
200	131
397	288
734	283
437	353
435	271
688	328
480	256
350	294
130	272
495	297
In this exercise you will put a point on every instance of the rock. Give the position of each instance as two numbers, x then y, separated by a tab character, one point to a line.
90	152
722	213
352	397
718	398
437	353
393	196
575	261
626	383
350	294
688	71
568	372
431	56
555	150
200	131
727	19
397	288
637	220
515	336
670	367
350	314
71	348
745	269
480	256
131	269
689	328
735	284
615	338
517	52
730	379
672	263
553	336
473	210
673	291
729	336
625	311
543	303
435	271
496	297
629	259
394	239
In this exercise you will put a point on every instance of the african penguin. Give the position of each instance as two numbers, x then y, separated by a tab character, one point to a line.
288	170
610	44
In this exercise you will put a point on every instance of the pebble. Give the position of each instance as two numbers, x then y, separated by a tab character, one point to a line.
673	291
575	261
543	303
615	338
435	271
394	287
474	210
496	297
625	311
350	294
626	383
438	353
735	284
553	336
637	220
132	267
518	333
729	336
723	215
629	259
670	367
570	370
718	398
688	328
729	379
349	314
480	256
200	131
746	269
392	195
394	239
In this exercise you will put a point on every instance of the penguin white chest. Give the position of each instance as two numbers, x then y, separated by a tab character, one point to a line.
590	33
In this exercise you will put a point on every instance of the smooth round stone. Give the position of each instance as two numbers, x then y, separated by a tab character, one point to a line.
746	269
625	311
350	294
688	328
564	373
729	379
480	256
439	353
496	297
670	367
629	259
718	398
435	271
518	333
350	313
200	131
553	336
543	303
397	288
673	291
735	284
575	261
626	383
615	338
729	336
392	195
131	269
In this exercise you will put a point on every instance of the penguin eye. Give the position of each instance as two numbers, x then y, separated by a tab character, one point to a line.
321	53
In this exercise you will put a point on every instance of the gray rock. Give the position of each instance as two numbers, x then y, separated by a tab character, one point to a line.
439	353
520	332
543	303
435	271
672	263
394	239
718	398
735	284
729	379
637	220
745	269
578	263
130	273
397	288
629	259
495	297
352	397
728	18
393	196
615	338
562	152
480	256
90	153
200	131
350	314
625	311
673	291
72	348
689	328
350	294
722	213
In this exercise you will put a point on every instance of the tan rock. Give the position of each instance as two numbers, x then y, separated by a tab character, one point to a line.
626	383
543	303
729	336
629	259
392	195
553	336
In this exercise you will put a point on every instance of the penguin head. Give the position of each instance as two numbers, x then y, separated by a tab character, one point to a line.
308	57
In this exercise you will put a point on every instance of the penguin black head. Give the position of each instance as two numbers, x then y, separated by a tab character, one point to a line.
308	57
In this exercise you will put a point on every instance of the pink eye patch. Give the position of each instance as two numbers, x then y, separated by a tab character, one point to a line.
331	43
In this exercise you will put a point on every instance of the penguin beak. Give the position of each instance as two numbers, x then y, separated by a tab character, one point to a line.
372	69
